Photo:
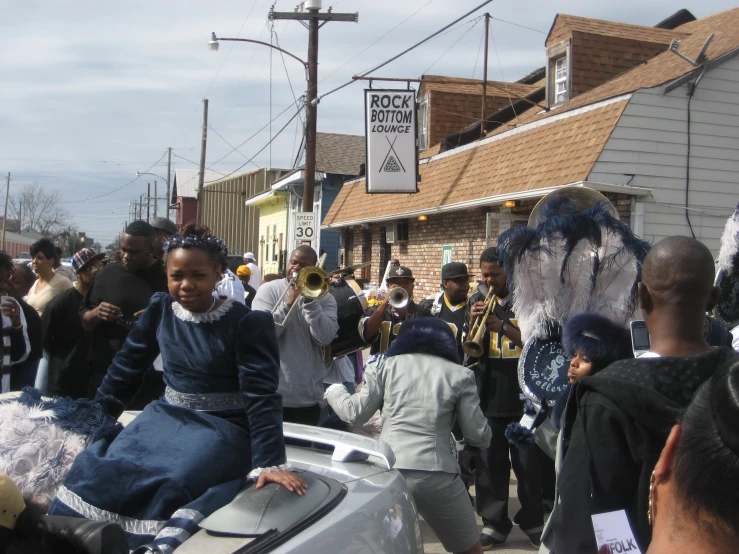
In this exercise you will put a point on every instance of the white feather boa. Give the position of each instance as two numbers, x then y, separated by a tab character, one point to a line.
729	244
34	452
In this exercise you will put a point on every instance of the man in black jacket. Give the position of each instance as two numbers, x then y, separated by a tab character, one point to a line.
617	421
23	374
500	400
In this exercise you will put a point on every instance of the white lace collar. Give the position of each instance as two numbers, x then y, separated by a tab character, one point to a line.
208	317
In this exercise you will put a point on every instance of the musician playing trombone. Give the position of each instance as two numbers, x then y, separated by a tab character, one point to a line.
303	327
501	403
380	324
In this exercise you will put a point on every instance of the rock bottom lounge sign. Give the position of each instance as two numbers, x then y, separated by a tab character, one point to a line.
391	129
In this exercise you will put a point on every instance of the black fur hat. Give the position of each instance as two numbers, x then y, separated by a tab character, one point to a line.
598	338
425	335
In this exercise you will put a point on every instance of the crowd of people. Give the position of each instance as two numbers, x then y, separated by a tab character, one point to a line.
172	331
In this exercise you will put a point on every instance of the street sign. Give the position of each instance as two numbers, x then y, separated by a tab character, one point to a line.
391	129
305	229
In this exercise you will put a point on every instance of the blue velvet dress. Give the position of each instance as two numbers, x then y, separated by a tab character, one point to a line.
186	455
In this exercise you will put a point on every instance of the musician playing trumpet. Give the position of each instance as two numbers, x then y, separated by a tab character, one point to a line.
379	324
500	402
303	326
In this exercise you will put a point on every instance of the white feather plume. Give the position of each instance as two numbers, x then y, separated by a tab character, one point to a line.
614	296
729	244
578	279
529	303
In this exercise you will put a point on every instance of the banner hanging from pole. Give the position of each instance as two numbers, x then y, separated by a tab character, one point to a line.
391	132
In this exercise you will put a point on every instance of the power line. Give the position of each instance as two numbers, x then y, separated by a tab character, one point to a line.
404	52
116	189
474	22
376	41
228	143
259	152
255	134
183	158
517	25
500	66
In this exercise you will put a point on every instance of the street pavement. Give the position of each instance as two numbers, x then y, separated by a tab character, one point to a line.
517	542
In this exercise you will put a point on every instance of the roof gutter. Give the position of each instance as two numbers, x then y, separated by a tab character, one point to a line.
497	199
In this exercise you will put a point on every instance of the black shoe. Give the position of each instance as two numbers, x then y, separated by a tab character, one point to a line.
535	539
488	541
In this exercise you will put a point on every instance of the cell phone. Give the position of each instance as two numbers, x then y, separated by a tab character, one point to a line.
640	341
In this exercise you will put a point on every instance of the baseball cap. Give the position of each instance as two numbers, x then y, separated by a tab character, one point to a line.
400	272
11	502
164	224
243	271
249	256
453	270
85	256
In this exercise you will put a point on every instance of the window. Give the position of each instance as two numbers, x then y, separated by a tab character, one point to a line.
560	80
423	124
266	246
275	241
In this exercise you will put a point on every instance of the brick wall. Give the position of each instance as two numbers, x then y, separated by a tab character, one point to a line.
449	112
596	58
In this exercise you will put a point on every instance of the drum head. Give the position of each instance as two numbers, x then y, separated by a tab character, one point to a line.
727	308
542	370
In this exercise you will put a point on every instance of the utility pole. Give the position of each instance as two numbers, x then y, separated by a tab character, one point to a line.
201	176
148	202
5	215
169	169
156	199
313	16
485	76
141	206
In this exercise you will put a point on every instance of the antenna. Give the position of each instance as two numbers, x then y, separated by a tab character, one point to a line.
675	45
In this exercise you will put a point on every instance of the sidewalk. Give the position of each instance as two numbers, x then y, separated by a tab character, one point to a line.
517	542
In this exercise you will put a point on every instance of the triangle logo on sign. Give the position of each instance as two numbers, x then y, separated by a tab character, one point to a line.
391	165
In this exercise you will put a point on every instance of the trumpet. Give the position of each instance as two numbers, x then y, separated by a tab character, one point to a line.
312	282
398	298
473	346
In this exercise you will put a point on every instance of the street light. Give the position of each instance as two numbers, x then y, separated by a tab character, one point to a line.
213	44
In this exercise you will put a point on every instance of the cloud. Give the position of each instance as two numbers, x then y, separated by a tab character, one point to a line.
87	81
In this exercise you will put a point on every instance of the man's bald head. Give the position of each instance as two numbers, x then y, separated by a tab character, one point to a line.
678	274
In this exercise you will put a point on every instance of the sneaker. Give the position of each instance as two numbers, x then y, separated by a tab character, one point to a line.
488	542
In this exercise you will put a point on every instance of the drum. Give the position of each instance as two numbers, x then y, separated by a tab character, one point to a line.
351	304
542	370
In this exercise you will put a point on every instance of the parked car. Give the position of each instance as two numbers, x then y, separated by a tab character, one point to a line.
356	503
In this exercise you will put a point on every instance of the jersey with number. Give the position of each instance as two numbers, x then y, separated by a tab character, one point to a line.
458	317
388	329
498	388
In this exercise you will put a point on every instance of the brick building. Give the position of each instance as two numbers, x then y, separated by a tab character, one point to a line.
614	109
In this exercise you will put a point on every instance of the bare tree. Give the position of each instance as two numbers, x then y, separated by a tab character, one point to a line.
38	209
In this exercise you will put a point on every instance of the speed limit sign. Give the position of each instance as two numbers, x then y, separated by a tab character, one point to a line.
304	226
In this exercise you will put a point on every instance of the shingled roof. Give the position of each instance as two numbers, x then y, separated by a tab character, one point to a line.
339	154
563	24
473	86
561	150
552	148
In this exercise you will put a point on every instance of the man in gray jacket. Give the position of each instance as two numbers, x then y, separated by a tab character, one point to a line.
313	325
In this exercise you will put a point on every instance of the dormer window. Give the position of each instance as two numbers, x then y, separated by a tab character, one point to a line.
423	123
559	78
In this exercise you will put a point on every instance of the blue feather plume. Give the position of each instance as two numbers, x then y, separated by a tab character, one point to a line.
519	436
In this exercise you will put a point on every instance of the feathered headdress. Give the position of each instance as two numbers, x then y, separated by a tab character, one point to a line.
572	262
727	254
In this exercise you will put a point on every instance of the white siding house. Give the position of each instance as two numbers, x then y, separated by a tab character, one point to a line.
650	143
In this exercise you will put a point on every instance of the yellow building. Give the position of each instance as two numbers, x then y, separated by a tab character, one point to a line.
272	230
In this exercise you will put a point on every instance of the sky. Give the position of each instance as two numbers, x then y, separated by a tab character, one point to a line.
91	92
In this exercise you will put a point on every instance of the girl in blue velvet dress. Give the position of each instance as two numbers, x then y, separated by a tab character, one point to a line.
220	419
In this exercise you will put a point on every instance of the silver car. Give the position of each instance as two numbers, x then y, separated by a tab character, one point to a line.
356	503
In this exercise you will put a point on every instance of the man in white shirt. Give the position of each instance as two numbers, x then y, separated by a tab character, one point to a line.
256	274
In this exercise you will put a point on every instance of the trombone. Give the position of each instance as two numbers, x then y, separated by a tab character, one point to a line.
473	346
312	282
